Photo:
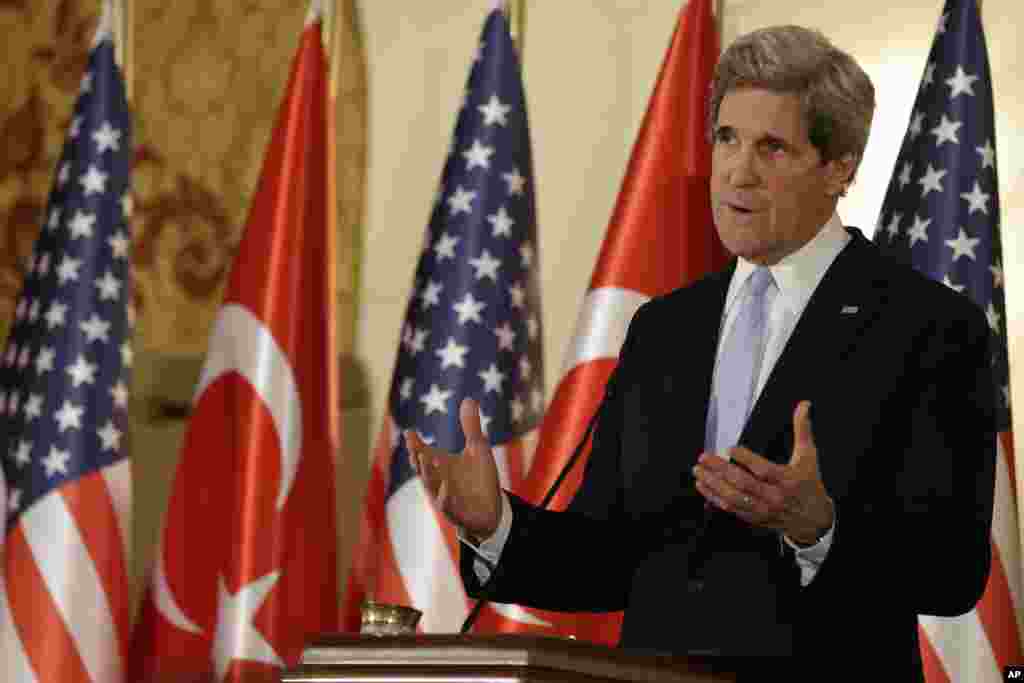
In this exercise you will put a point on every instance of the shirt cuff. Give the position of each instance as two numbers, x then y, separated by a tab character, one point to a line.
810	558
488	553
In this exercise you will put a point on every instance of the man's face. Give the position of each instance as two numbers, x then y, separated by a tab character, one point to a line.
770	193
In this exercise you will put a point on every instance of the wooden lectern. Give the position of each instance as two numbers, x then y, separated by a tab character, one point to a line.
504	658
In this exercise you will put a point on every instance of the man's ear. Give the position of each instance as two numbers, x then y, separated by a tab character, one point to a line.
839	175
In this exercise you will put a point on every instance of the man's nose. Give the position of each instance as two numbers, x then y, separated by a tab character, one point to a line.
742	170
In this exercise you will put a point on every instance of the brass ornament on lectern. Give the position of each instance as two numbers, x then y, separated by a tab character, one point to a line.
381	619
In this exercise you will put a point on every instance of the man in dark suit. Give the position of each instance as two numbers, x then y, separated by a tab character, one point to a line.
795	456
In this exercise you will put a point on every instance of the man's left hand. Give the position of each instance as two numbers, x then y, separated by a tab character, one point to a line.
789	498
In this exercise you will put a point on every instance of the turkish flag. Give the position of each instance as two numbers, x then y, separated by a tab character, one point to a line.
661	237
246	572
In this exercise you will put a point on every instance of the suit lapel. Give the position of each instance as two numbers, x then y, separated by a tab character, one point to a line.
848	299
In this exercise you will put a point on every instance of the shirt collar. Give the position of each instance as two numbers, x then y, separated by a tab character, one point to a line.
798	274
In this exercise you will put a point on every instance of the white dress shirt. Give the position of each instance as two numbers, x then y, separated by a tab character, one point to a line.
796	276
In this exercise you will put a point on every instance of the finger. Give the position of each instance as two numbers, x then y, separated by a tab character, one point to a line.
759	467
803	438
469	418
720	487
413	445
430	474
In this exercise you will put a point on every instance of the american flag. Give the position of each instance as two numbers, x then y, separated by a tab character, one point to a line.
941	211
64	598
472	329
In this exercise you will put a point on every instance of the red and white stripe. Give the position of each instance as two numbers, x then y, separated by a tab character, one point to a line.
977	645
64	598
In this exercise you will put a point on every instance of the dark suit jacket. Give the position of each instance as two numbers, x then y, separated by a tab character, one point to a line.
903	418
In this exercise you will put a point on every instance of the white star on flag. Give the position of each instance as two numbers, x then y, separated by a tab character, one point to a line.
961	83
107	137
108	286
478	155
235	635
492	378
485	266
461	201
431	295
946	131
494	112
69	416
905	175
963	245
55	315
931	180
988	155
82	372
893	227
452	354
33	407
502	223
445	247
110	436
95	329
23	453
81	224
44	360
993	318
976	199
406	389
919	230
917	125
67	269
57	461
469	309
93	181
434	400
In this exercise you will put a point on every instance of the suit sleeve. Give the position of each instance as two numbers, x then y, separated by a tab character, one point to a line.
921	535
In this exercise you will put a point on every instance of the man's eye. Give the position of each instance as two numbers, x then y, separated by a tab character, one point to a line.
723	136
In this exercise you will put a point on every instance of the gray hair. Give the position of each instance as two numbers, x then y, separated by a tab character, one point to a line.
838	97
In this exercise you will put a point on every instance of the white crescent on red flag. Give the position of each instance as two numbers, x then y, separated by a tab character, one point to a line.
246	570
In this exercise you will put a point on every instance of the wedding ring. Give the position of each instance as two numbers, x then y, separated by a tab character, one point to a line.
747	501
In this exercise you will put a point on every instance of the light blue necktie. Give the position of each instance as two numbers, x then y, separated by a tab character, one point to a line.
739	363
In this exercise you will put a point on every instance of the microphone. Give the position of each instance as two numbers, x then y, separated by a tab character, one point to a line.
487	590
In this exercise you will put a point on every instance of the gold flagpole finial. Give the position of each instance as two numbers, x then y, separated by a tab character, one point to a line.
515	10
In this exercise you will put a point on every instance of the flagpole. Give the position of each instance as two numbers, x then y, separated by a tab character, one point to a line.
516	11
124	44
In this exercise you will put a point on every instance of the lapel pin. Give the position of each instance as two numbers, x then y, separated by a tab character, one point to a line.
847	310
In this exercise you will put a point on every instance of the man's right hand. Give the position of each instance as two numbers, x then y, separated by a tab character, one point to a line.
464	486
